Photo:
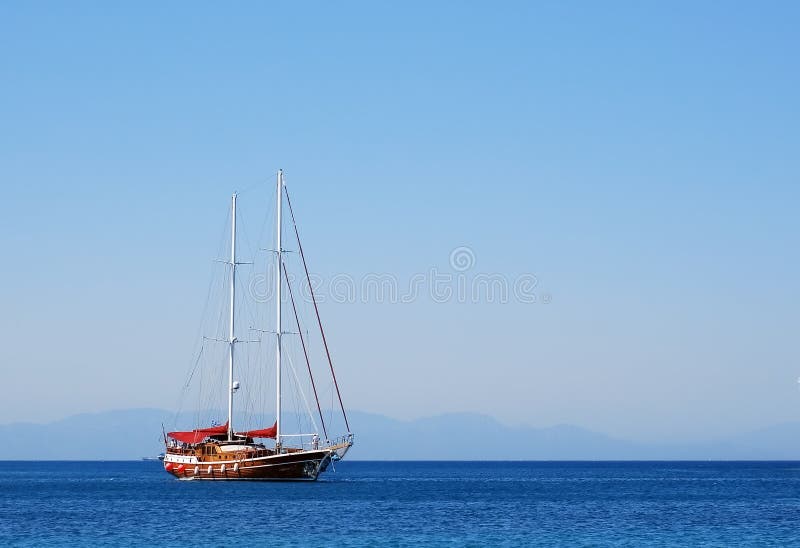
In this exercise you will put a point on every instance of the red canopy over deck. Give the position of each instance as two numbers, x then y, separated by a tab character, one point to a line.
270	432
196	436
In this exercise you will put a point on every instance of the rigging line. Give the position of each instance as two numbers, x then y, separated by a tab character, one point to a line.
224	309
201	357
300	389
196	363
258	184
223	283
243	235
316	309
201	328
305	353
246	307
268	217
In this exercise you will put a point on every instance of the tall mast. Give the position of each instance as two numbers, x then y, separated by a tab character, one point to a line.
231	336
278	264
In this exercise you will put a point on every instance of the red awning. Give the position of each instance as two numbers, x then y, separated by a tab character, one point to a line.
270	432
196	436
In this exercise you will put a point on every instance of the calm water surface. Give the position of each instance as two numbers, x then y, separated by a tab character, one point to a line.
407	504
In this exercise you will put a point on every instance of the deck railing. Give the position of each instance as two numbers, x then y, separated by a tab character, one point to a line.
313	444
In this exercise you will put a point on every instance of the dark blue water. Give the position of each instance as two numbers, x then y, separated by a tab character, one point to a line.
407	504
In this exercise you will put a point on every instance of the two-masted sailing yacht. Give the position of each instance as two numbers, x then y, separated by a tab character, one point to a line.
223	452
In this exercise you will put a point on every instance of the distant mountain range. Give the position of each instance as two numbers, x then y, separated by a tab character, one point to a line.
135	433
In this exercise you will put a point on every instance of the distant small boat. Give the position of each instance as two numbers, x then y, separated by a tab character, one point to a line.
221	452
160	456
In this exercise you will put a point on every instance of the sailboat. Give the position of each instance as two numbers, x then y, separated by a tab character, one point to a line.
223	452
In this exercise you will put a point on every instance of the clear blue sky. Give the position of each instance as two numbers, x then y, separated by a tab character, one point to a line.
640	158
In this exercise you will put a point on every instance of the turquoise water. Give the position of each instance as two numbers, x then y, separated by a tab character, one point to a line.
407	504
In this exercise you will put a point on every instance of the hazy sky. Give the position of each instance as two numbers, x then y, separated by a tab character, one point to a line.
639	159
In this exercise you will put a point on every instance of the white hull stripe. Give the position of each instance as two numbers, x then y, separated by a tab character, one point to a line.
226	462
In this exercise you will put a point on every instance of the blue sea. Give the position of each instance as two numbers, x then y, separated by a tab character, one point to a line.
407	504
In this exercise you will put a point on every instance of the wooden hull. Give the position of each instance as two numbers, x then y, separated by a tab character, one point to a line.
289	466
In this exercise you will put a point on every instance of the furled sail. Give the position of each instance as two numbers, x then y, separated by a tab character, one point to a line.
270	432
196	436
